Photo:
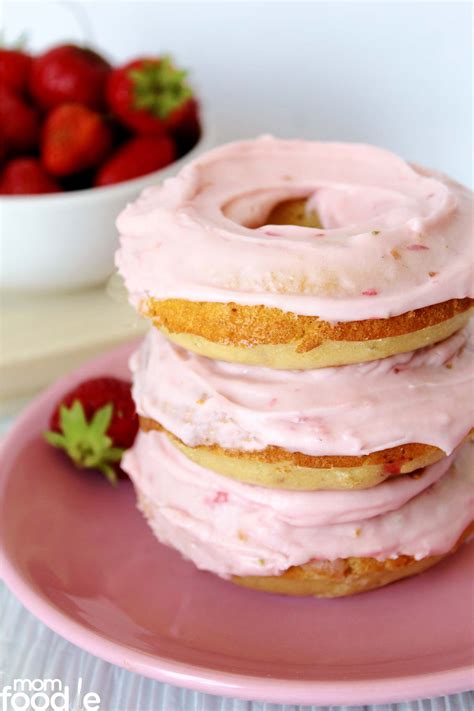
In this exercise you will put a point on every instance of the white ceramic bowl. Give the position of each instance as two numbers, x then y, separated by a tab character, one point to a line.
65	241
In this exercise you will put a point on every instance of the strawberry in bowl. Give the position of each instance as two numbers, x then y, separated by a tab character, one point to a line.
141	154
67	74
15	68
74	138
19	123
26	176
150	95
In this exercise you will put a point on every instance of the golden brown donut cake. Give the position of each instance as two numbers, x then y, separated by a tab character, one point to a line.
301	255
278	468
259	335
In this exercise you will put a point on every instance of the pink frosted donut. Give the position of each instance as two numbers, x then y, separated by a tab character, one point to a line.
388	270
331	428
342	542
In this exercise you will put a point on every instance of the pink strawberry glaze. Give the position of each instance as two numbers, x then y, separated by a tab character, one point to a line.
349	410
259	531
198	237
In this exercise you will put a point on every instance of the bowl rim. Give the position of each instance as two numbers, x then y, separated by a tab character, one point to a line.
204	143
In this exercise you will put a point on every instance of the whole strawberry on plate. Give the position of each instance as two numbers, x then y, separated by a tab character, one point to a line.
94	424
150	95
69	73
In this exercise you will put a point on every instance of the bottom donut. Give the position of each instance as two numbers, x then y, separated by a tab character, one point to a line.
346	576
320	543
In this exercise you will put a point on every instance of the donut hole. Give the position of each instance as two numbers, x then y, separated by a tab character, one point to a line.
293	212
254	212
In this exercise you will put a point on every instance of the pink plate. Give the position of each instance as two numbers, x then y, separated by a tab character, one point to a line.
79	555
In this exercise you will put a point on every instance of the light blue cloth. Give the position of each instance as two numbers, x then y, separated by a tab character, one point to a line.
29	650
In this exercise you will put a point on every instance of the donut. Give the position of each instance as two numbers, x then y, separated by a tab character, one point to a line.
346	427
322	543
301	255
346	576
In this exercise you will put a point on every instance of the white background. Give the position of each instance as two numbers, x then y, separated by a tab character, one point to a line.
397	74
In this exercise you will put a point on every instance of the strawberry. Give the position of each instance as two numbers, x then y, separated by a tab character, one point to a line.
74	138
186	134
14	69
19	123
139	156
94	423
149	95
67	74
26	176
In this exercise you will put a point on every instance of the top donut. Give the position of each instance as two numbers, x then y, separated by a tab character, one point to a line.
299	254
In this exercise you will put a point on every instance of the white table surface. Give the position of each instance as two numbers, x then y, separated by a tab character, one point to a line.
30	650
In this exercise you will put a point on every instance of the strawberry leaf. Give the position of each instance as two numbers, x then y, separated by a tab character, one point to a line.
102	419
114	454
158	87
55	439
87	443
109	473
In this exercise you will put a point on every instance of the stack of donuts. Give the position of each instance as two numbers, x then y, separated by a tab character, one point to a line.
306	391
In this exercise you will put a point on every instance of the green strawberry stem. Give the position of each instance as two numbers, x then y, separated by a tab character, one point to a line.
18	44
159	87
87	443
